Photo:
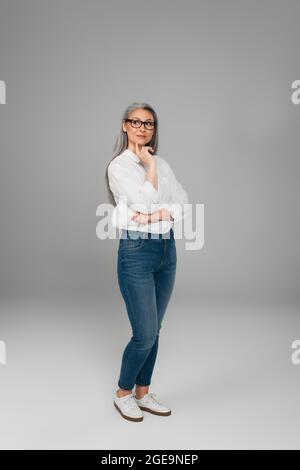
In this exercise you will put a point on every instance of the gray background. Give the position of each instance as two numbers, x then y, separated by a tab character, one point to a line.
219	74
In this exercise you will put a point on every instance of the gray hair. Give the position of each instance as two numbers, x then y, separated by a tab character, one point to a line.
122	139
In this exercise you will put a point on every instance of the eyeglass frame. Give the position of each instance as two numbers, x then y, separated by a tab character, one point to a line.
142	122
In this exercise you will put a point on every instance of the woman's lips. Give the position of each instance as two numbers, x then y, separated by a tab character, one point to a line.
143	136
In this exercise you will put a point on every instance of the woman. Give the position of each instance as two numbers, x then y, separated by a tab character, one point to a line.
148	199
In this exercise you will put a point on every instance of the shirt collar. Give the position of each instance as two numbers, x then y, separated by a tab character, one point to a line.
132	155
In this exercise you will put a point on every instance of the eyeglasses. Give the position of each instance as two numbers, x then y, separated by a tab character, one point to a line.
137	123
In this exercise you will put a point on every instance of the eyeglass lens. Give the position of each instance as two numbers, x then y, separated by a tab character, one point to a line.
138	123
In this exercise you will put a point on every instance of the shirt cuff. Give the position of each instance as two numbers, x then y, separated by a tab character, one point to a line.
178	212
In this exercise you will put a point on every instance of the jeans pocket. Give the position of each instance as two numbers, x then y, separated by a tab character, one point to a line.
129	244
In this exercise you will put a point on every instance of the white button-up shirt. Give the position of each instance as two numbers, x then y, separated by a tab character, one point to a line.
132	192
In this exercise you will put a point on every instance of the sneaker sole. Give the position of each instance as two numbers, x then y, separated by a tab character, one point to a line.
166	413
130	418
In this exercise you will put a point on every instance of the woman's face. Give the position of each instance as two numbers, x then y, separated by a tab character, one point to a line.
139	135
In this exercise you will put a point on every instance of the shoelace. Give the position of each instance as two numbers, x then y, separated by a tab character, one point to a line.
152	396
129	402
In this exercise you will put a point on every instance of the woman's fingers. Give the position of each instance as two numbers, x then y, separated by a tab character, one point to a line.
140	218
137	150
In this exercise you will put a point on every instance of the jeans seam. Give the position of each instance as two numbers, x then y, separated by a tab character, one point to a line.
163	256
129	297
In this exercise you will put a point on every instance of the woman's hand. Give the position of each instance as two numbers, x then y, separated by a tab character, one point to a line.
160	214
146	158
141	218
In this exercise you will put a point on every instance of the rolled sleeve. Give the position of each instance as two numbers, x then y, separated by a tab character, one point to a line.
140	197
179	207
121	216
176	212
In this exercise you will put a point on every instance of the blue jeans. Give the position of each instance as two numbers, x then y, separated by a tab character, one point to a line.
146	276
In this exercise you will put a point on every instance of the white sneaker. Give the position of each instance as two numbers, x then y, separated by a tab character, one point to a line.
151	404
128	407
